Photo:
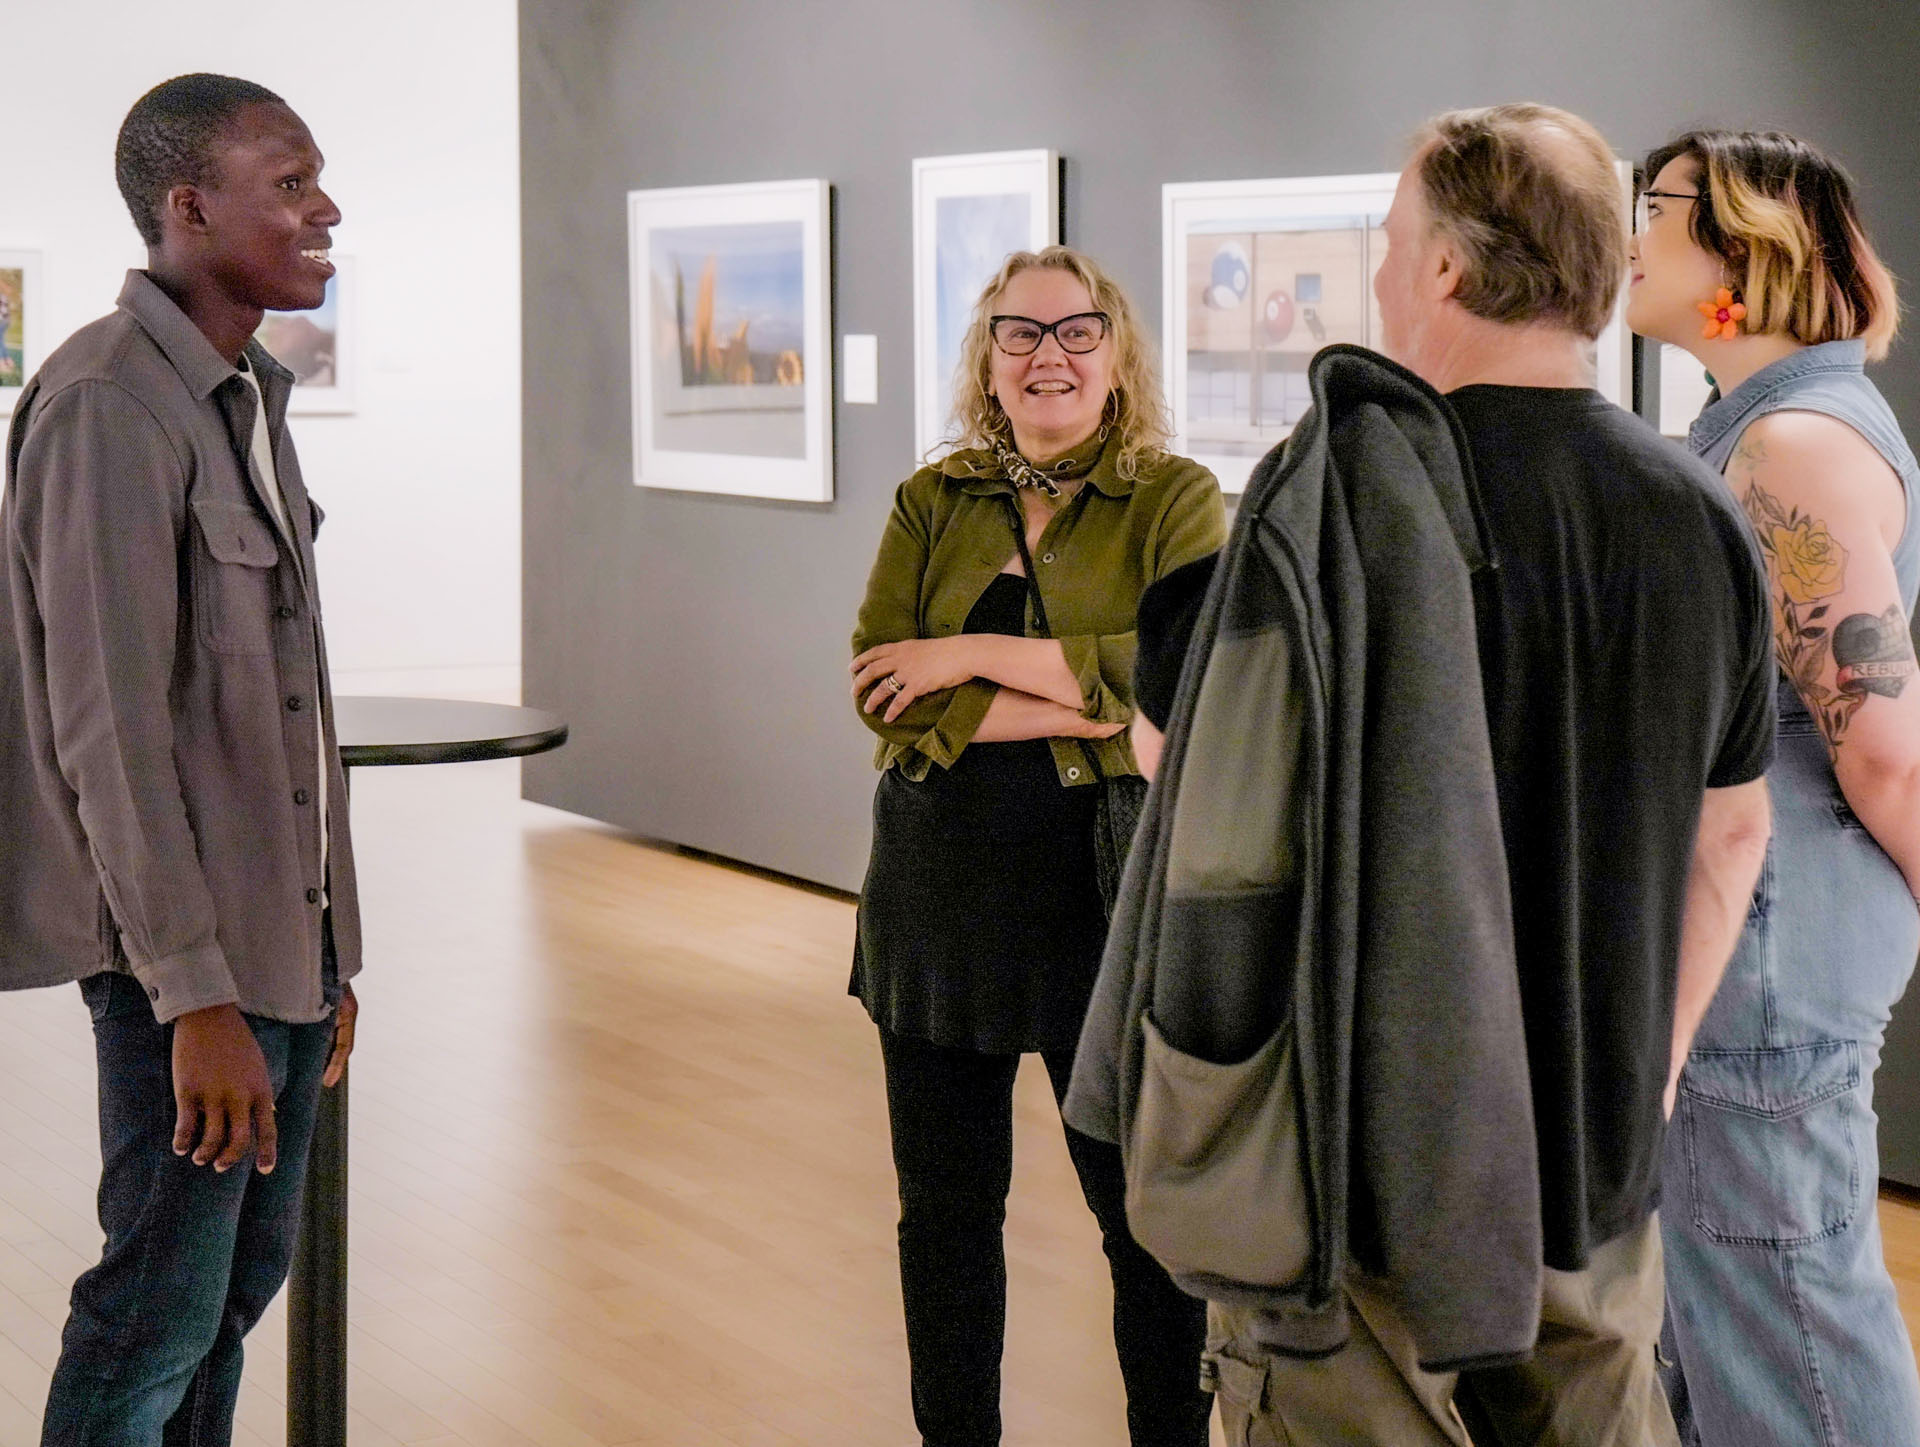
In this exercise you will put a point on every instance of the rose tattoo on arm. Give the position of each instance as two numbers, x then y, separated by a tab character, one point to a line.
1872	653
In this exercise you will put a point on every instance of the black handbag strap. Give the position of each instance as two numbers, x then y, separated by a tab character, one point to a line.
1040	611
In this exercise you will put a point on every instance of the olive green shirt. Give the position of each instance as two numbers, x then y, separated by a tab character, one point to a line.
951	533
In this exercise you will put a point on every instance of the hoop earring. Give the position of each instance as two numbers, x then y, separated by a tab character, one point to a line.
1724	315
1109	415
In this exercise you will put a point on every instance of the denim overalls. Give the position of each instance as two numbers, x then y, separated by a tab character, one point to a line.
1781	1314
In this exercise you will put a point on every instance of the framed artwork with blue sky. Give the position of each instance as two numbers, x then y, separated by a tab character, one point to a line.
731	340
969	212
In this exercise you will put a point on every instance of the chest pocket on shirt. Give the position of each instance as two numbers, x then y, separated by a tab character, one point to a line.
233	586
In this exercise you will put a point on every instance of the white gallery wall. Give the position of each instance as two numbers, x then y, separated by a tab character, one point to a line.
415	104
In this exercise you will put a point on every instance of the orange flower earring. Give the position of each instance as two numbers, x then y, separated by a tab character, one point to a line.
1723	315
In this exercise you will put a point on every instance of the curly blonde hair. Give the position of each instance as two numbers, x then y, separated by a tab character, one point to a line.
1136	410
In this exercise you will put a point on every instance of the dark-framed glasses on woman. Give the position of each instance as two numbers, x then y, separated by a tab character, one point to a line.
1647	205
1018	336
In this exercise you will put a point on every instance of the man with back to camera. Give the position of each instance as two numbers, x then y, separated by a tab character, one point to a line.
1628	681
168	768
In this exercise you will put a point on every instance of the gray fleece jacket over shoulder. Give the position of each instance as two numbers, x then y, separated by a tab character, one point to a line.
1306	1035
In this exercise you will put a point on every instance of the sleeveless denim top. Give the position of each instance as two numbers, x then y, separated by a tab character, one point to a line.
1830	378
1845	898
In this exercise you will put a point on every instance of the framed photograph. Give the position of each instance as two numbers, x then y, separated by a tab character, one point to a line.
969	212
23	324
317	346
1260	275
732	348
1684	389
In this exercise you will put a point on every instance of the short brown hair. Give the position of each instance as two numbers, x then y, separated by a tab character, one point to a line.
1780	213
1531	197
1136	410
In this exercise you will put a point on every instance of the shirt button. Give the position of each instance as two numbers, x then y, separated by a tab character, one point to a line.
284	611
293	704
300	796
1073	773
153	992
1046	557
313	896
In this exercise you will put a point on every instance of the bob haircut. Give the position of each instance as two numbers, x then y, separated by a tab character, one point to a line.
1781	215
1136	410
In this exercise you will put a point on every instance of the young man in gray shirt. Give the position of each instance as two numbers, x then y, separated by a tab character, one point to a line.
168	770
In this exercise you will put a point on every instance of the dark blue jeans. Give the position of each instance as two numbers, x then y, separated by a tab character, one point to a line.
151	1354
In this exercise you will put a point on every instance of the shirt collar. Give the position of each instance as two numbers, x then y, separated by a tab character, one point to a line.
1723	413
183	344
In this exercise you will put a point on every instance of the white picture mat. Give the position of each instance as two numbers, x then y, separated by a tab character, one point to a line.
307	399
1191	207
1613	352
804	479
1684	389
33	305
1033	174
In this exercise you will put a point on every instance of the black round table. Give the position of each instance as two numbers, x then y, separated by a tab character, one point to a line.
373	733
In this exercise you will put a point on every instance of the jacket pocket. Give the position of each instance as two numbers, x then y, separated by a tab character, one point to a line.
1216	1167
1772	1141
233	592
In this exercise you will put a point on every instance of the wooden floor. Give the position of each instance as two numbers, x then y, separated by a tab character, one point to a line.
619	1170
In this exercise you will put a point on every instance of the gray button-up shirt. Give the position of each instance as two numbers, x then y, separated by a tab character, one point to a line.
159	808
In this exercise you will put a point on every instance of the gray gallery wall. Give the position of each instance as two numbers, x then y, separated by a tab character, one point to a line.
698	644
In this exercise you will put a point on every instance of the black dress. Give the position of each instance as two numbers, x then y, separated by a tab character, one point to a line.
981	923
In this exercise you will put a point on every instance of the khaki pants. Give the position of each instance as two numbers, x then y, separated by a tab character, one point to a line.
1589	1383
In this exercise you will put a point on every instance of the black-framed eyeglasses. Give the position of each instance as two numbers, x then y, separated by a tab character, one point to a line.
1640	204
1021	336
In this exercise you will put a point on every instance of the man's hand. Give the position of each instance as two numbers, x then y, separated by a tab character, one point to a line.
345	1015
221	1091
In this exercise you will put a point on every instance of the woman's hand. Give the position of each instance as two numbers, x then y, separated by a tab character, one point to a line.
893	675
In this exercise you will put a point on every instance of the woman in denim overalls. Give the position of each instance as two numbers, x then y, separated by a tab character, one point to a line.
1782	1323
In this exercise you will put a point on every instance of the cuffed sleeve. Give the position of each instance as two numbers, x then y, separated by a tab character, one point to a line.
194	979
943	741
1103	665
99	513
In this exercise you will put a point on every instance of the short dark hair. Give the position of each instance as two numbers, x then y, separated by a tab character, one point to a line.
167	140
1780	214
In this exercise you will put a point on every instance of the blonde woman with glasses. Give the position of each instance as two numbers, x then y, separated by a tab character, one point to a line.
1002	703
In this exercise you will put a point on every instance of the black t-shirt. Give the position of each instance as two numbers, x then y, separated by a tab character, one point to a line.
1627	663
1626	659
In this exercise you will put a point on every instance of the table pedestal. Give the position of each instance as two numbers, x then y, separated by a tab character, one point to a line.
372	732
